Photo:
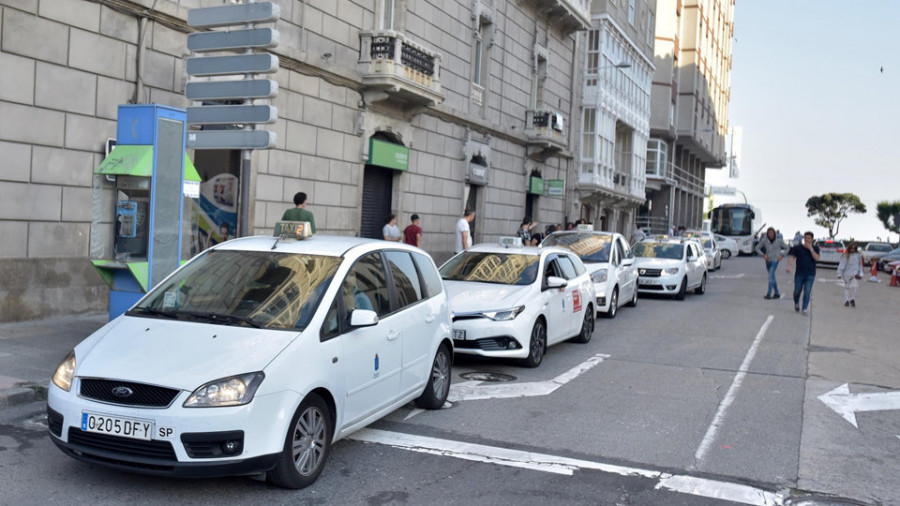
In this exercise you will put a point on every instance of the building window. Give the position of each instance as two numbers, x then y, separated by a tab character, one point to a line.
387	14
657	156
631	11
481	58
589	140
540	80
593	57
651	28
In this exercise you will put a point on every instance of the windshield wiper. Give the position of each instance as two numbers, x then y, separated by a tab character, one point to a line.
222	318
151	311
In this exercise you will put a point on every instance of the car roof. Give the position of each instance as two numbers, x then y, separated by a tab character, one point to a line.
524	250
325	245
670	240
583	232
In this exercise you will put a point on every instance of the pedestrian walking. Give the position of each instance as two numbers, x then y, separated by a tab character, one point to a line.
412	234
299	212
525	232
850	270
772	249
638	235
797	239
463	233
391	231
805	255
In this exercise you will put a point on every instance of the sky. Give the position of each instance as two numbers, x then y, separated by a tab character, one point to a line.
817	112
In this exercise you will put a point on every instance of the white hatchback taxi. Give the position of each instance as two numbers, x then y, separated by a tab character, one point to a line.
510	301
671	266
608	258
255	357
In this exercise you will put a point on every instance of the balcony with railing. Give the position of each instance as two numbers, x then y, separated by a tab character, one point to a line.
546	133
569	15
394	67
671	174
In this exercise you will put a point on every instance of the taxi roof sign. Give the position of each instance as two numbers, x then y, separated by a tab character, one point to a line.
584	227
511	242
293	230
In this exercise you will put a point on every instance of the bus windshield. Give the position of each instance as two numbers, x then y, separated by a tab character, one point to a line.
732	221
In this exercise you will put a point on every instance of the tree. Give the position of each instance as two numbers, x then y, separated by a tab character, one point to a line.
889	214
831	208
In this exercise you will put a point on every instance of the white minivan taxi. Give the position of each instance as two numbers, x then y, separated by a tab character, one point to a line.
671	266
255	357
510	301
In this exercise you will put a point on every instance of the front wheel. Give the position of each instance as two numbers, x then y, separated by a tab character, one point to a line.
634	298
306	445
700	290
613	304
682	290
537	344
726	254
587	327
438	387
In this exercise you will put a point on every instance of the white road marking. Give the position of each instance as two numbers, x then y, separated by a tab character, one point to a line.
732	392
475	390
566	466
726	276
846	404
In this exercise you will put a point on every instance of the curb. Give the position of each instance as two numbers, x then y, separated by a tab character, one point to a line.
22	394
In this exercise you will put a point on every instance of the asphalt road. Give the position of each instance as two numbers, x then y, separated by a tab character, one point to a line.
710	400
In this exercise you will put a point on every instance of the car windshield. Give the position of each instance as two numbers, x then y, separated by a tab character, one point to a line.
707	243
592	248
658	250
261	289
485	267
878	247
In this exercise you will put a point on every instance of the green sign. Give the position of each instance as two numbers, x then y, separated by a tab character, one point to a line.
536	185
556	187
386	154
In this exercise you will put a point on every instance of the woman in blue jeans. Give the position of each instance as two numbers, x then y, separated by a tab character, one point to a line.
806	256
772	249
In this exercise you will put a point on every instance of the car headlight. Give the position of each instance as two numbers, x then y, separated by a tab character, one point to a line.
600	276
233	391
672	270
504	314
65	373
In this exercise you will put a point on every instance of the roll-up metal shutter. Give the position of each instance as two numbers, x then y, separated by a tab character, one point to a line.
376	200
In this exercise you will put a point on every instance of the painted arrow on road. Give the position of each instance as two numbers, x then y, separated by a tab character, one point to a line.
474	390
847	405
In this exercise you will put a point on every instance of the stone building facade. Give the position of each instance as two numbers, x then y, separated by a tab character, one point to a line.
689	108
478	93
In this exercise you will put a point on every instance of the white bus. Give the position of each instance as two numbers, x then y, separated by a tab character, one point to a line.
741	222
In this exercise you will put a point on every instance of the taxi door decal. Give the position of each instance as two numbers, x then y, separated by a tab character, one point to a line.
576	301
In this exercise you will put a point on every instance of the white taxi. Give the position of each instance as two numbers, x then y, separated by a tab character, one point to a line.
608	258
671	266
510	301
255	357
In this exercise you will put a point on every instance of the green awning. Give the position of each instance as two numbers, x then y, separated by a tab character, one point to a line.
137	160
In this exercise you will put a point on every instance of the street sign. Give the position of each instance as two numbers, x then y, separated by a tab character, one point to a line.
722	190
262	63
236	14
231	139
231	114
259	38
231	90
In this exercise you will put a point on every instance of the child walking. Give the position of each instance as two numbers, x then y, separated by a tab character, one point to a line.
850	270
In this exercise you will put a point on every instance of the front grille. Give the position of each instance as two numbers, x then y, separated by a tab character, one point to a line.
143	395
652	287
157	450
488	344
649	273
54	422
457	318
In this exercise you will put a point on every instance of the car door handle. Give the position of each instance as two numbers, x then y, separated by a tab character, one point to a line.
429	318
392	335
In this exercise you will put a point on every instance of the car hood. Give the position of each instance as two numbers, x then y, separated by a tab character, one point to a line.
656	263
176	354
471	297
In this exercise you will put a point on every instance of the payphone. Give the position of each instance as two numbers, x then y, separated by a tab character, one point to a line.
142	192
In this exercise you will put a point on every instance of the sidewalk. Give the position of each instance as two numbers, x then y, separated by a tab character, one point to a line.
31	351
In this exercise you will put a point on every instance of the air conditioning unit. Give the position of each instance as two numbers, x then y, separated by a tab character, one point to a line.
557	121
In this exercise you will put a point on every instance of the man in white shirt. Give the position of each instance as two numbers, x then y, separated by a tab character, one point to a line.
463	234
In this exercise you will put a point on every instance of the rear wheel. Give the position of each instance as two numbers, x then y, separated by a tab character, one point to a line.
726	254
435	394
613	304
306	445
587	327
537	344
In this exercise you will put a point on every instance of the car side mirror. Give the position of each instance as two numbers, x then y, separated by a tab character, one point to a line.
363	318
554	282
627	262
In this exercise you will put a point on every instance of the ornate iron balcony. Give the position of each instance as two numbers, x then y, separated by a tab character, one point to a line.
394	67
546	133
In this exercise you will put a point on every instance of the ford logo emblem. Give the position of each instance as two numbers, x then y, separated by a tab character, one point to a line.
122	392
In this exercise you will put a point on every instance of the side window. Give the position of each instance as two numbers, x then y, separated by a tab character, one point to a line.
627	249
552	269
430	275
568	268
405	278
365	286
579	267
331	326
620	251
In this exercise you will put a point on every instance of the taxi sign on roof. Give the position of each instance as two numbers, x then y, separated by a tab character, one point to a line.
511	242
293	229
584	227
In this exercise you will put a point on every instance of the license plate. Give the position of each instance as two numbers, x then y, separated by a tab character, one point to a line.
643	281
117	426
459	335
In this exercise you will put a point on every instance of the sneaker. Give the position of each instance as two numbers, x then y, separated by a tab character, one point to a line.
853	303
767	297
846	303
796	307
806	311
776	296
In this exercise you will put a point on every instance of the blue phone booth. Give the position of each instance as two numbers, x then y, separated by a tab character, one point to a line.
138	242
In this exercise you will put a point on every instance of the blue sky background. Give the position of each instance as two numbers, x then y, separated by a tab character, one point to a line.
817	113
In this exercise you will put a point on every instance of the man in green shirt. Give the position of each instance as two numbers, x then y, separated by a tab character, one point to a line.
300	213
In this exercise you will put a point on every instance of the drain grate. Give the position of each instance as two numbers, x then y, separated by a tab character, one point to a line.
492	377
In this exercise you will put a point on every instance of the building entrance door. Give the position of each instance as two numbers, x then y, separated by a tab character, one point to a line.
378	185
